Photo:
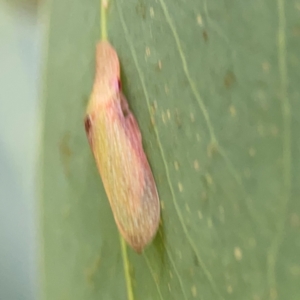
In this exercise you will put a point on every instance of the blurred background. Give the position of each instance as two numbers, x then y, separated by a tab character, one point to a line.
20	57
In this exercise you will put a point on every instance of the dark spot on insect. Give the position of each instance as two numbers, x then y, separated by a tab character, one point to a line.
88	128
229	79
124	106
125	112
205	35
87	124
119	84
140	8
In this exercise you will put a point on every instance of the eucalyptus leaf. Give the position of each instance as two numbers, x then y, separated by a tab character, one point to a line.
214	86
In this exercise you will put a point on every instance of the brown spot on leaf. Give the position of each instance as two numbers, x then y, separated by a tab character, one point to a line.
140	8
178	120
229	79
205	35
212	149
91	271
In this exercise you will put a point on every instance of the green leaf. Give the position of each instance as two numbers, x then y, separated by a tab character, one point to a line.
214	87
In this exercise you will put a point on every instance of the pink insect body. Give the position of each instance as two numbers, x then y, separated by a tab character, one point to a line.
116	143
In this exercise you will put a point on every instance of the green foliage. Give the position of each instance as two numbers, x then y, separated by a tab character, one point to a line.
214	87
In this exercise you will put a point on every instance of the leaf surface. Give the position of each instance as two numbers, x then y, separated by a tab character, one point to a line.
214	87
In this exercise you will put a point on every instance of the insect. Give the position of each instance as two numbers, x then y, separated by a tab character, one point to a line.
116	143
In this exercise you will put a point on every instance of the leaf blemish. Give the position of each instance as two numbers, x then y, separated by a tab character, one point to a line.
151	12
163	117
178	118
229	289
148	52
187	208
166	89
232	110
152	110
176	165
209	179
200	215
141	9
92	270
209	223
199	20
266	67
238	253
169	286
205	35
152	121
168	114
212	149
180	187
229	79
252	152
159	64
196	165
194	291
192	116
